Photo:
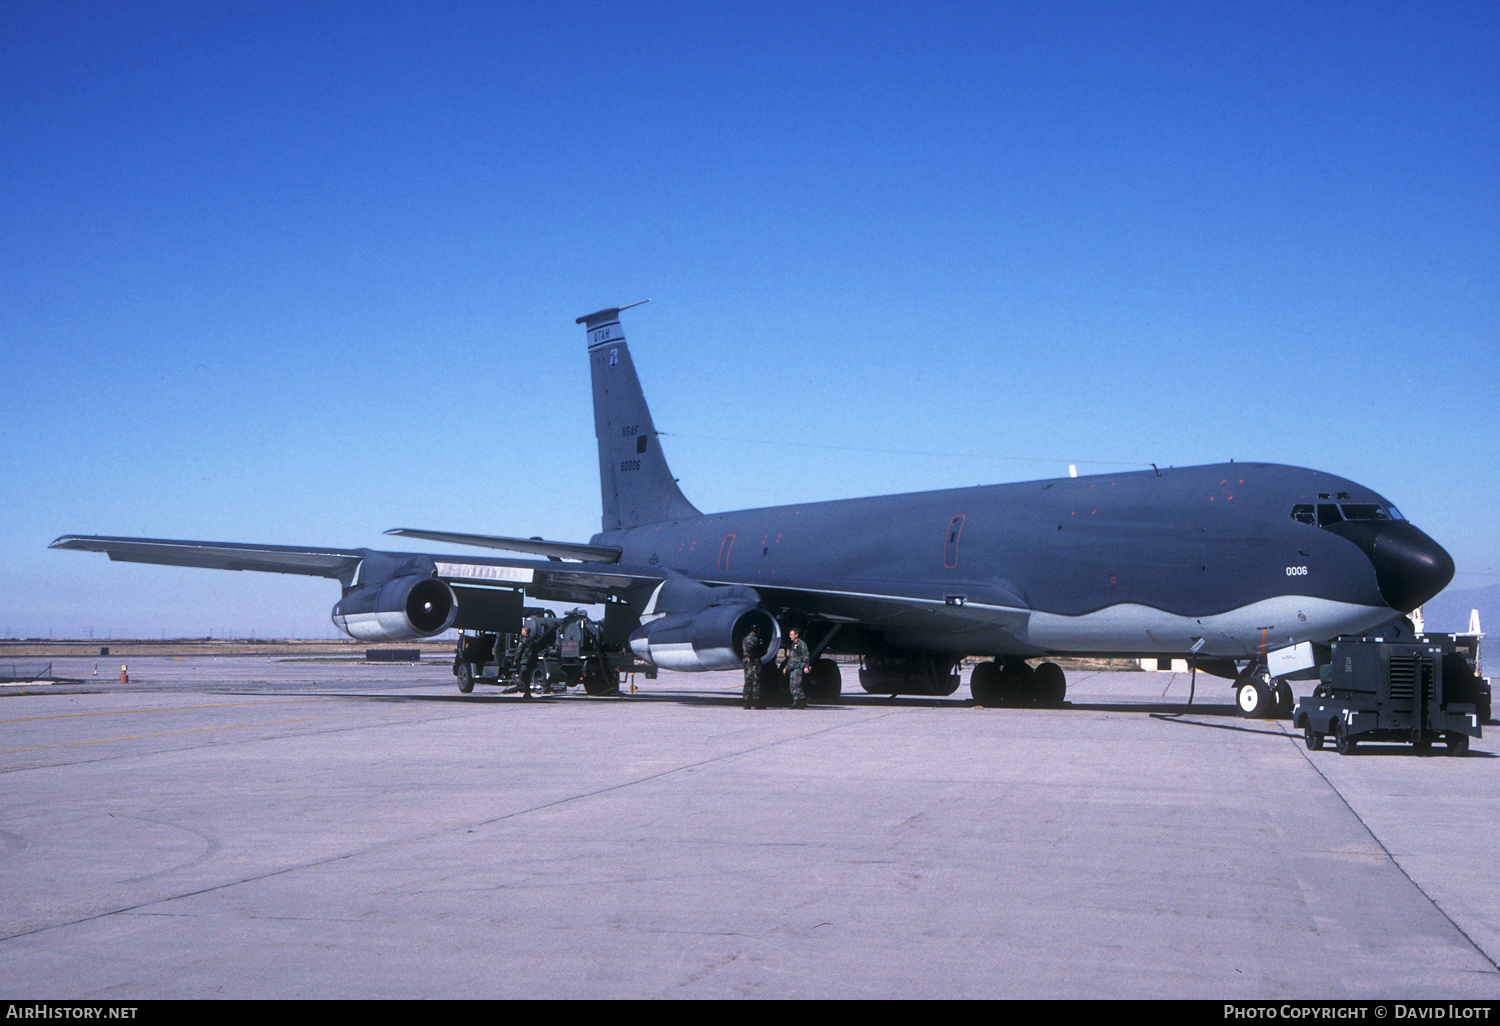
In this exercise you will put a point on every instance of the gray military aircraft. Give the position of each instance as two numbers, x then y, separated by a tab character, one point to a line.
1249	569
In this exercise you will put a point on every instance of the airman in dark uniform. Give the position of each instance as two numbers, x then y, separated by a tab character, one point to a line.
751	649
526	655
793	665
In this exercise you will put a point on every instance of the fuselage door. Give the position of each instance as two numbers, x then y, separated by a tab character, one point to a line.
950	542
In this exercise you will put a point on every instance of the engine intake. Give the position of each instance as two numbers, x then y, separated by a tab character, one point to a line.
396	610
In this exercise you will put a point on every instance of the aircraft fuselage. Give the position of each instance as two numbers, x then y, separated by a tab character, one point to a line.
1121	563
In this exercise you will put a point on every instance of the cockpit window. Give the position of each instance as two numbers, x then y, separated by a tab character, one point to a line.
1325	513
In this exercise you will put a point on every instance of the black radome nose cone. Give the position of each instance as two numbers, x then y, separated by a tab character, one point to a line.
1409	566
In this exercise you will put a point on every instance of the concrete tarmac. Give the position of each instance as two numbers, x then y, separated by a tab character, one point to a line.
245	828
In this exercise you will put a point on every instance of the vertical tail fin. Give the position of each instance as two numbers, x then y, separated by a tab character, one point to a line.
635	483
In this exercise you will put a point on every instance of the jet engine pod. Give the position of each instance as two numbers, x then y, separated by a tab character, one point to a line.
709	640
399	609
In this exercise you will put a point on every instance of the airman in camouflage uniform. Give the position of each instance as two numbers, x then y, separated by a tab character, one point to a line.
751	649
526	656
793	665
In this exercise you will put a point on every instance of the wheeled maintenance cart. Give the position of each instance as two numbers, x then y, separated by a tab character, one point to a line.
1416	691
568	651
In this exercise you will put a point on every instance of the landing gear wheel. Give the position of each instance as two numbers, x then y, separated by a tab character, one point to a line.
465	677
1049	684
984	684
822	682
1284	700
1015	684
1458	744
1342	742
1255	700
1312	739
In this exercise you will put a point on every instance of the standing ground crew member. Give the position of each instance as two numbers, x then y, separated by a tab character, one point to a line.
751	649
795	662
525	658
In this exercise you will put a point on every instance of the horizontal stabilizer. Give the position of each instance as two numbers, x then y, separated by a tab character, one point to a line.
535	546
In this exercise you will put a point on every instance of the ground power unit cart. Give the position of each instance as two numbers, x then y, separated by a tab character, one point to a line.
1416	692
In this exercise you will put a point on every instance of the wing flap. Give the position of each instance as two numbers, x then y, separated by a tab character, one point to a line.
535	546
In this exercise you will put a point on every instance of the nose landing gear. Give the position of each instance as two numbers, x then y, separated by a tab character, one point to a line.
1261	696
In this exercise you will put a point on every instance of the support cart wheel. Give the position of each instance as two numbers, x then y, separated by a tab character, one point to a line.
465	677
1312	739
1458	744
1342	742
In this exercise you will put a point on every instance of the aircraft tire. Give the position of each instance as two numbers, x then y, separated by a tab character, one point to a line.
984	684
1049	684
1255	700
465	677
1285	700
945	678
1015	684
822	682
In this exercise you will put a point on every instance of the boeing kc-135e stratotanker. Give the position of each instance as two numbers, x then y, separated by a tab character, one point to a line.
1249	569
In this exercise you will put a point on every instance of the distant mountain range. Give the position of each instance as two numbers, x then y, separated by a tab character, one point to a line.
1449	612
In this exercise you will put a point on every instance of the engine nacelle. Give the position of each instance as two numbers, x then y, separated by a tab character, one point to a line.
707	640
396	610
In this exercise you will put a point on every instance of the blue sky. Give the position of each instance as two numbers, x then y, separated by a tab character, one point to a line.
300	272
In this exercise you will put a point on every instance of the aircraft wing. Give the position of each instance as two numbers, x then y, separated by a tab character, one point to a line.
545	578
280	559
950	608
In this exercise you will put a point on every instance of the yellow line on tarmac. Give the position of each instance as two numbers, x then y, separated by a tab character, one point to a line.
168	733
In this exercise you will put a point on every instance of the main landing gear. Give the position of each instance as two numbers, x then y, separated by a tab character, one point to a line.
1013	682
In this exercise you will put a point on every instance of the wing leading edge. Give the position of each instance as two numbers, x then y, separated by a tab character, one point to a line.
344	564
279	559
